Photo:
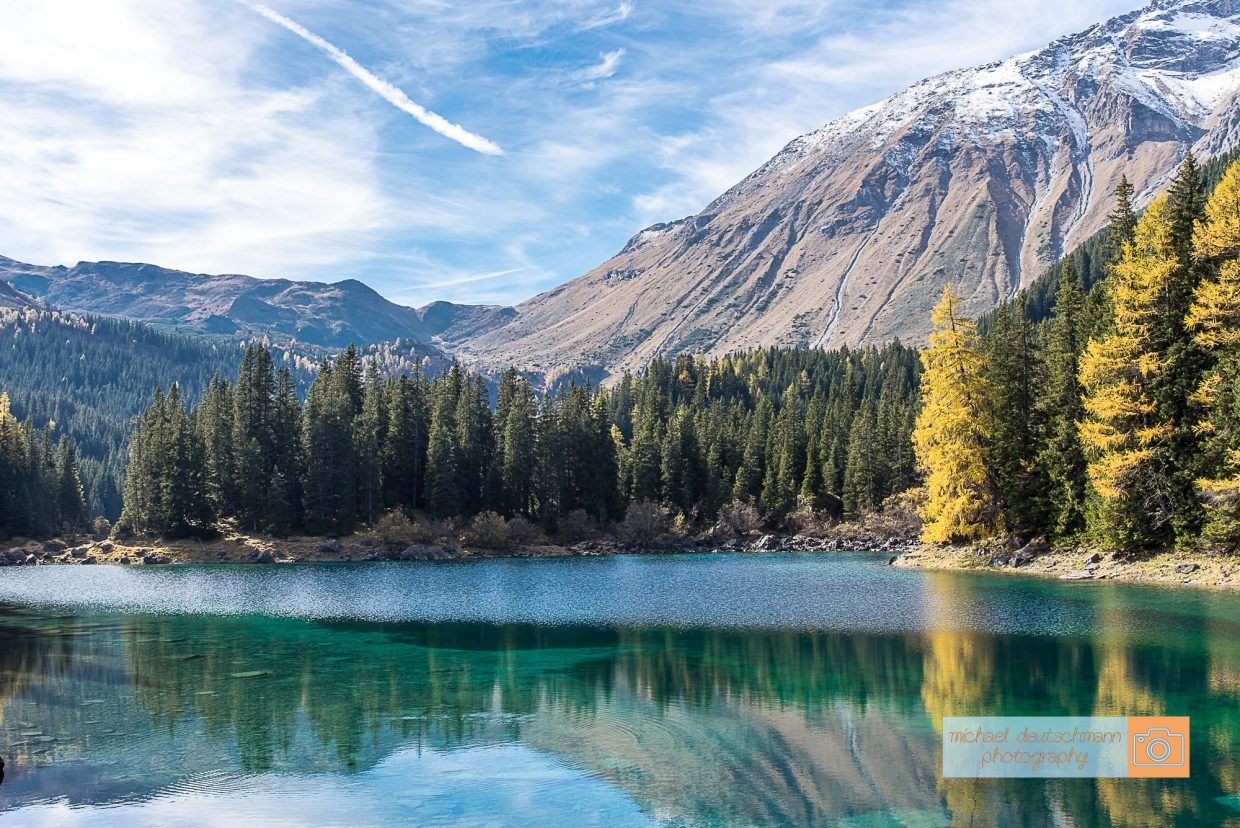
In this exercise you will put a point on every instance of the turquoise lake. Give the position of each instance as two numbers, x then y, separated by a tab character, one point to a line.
646	690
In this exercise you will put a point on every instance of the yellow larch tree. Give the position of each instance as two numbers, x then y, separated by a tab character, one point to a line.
953	430
1214	321
1121	431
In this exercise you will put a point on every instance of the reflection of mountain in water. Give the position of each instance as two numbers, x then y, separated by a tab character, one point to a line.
701	726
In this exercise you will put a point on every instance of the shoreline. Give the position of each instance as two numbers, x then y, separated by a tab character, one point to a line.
369	547
1033	560
1196	569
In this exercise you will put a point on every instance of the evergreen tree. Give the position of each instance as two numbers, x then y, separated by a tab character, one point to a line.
518	449
70	502
1062	456
1123	218
253	438
329	491
215	427
1183	361
285	499
443	476
1014	377
404	451
370	429
863	472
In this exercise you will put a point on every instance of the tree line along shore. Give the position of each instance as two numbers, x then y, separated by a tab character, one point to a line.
1097	413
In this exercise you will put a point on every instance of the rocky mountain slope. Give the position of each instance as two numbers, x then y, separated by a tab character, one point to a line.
327	315
979	177
13	299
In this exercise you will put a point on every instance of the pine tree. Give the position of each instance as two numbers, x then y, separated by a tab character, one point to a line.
443	477
1014	378
518	449
215	425
1123	219
954	429
253	437
752	470
682	469
285	499
70	501
863	472
404	452
369	437
1183	360
1062	456
330	493
644	455
785	453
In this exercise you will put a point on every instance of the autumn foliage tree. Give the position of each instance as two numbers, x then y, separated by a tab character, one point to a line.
1214	320
953	429
1121	429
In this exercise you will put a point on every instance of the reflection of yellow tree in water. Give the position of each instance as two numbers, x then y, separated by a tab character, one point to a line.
1125	689
959	673
1223	644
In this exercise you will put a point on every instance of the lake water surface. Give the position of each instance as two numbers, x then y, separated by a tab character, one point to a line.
687	690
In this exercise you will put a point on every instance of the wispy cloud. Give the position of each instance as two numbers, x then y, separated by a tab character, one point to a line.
608	63
610	17
382	88
197	135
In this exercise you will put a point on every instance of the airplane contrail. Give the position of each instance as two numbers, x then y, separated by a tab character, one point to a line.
385	90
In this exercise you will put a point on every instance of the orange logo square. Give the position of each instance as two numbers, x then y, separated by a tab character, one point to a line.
1158	746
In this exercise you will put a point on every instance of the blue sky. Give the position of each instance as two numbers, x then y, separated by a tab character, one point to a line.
204	135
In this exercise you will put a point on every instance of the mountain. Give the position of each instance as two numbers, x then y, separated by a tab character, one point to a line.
980	177
13	299
313	313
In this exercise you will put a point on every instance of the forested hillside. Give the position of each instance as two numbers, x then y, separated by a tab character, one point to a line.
772	432
40	490
89	377
1115	418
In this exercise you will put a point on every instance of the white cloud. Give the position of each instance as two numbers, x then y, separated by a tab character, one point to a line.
196	135
608	63
382	88
610	17
142	139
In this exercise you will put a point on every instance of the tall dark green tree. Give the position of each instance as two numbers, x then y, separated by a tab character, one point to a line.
1062	457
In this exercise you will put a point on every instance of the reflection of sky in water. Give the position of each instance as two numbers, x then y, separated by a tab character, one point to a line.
806	591
807	692
499	785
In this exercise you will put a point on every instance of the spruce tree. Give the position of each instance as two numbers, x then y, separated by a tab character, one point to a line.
1183	360
1013	371
443	476
1062	455
863	474
1123	218
69	499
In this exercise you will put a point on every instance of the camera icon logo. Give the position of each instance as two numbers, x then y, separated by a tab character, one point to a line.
1158	746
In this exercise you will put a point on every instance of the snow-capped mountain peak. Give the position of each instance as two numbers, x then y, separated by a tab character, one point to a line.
979	177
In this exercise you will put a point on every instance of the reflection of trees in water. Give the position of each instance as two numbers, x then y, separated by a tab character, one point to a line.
430	682
701	724
39	655
1143	681
1108	674
26	654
